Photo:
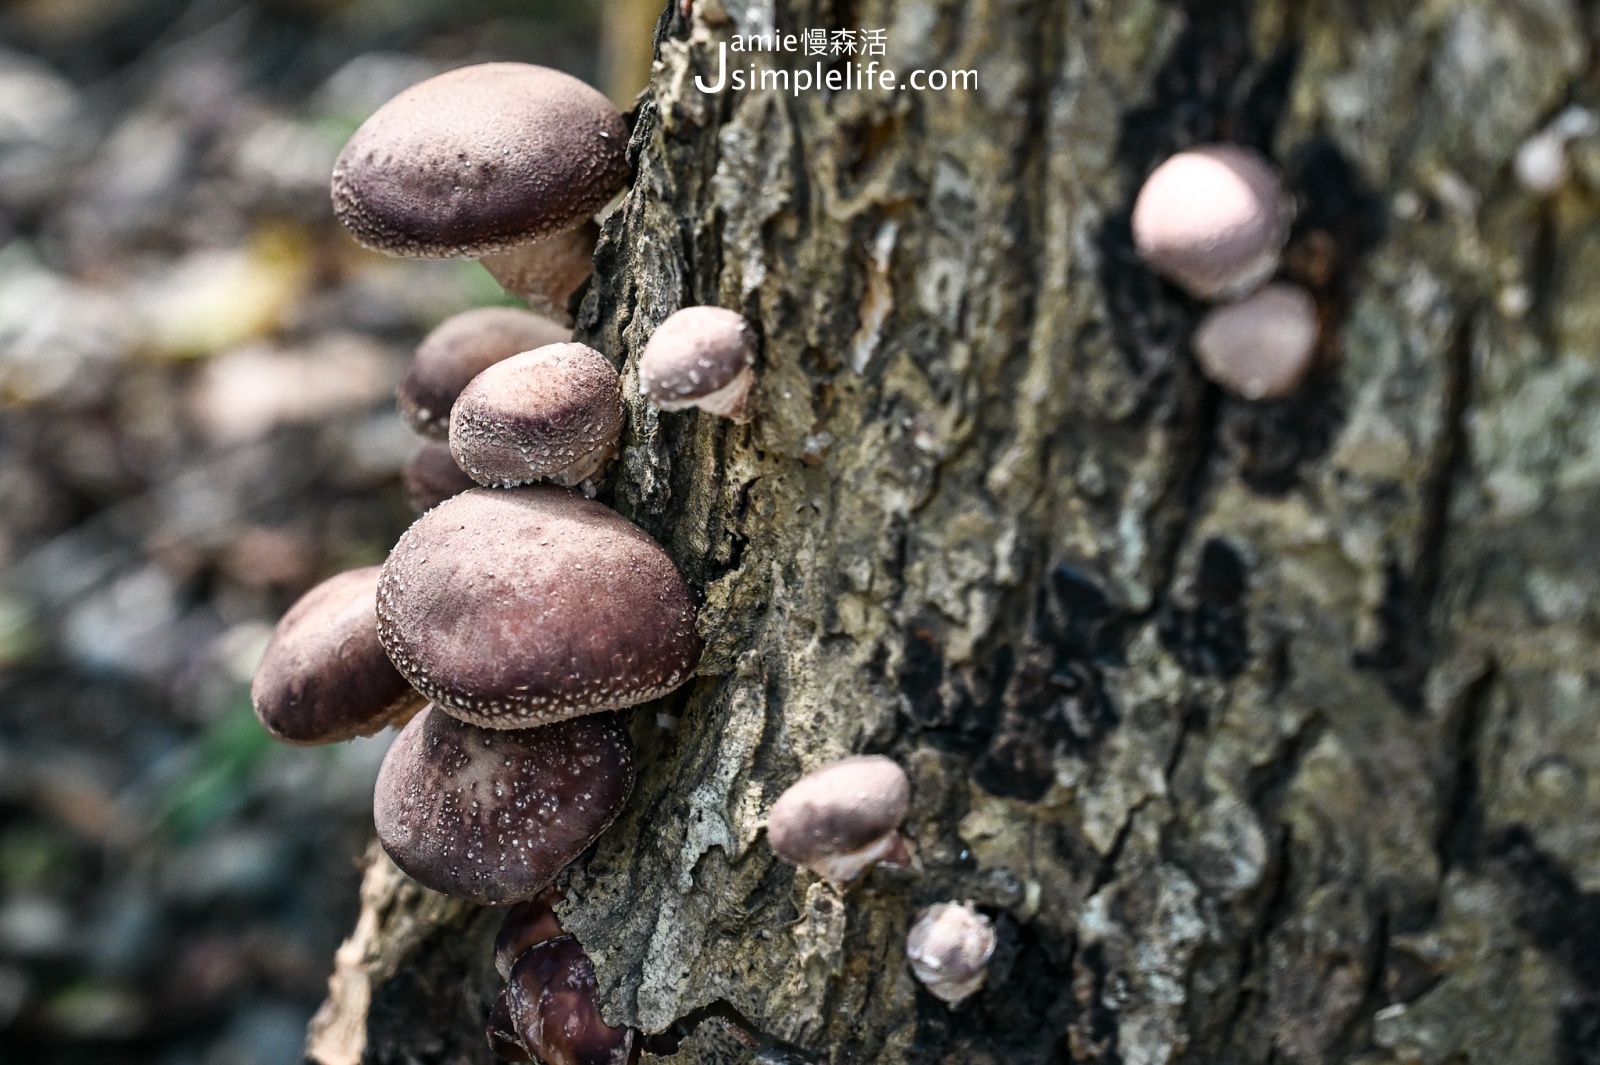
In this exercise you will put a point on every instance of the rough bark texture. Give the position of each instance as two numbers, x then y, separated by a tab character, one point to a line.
1267	732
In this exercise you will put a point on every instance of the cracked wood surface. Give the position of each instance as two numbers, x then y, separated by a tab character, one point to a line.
1267	732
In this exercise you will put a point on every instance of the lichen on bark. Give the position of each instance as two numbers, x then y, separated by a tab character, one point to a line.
1265	731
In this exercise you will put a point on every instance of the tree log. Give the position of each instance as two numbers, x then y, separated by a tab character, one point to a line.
1265	731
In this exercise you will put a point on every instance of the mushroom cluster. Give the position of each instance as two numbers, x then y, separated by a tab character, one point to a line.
1214	221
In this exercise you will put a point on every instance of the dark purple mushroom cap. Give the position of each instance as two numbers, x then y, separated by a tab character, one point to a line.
526	924
841	808
949	948
324	676
515	608
479	159
1263	346
552	1000
1213	220
432	476
695	353
553	414
504	1042
459	349
492	815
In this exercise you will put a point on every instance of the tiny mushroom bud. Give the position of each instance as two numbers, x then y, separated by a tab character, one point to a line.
527	924
553	1008
480	160
324	676
1213	220
1263	346
504	1042
459	349
700	357
949	948
516	608
432	476
493	815
547	272
553	414
841	818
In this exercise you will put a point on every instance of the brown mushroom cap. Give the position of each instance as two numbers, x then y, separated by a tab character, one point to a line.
479	159
1263	346
491	815
553	414
1213	220
516	608
695	354
949	948
324	676
547	272
459	349
552	1000
432	476
842	808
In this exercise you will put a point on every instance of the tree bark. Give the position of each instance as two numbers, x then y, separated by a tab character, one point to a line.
1266	731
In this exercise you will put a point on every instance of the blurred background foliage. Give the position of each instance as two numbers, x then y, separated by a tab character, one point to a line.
196	424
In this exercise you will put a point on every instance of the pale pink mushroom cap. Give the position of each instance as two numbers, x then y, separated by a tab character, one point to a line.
1261	347
1213	220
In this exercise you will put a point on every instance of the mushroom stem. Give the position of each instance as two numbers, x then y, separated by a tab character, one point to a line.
545	273
840	869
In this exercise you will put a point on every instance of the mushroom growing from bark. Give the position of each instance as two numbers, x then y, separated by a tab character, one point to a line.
324	676
838	820
516	608
525	925
432	476
1263	346
492	815
551	999
1213	220
499	161
553	414
700	357
949	948
460	348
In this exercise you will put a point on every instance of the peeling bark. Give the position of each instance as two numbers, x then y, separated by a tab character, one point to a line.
1265	731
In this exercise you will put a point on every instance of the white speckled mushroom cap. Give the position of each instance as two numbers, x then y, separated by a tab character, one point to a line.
1213	220
1263	346
552	414
492	815
515	608
480	159
697	351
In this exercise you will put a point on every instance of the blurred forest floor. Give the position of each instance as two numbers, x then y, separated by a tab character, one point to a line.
196	424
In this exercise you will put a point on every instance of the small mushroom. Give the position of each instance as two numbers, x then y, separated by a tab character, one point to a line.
1261	347
838	820
479	161
491	815
459	349
949	948
432	476
1213	220
552	1003
547	272
324	676
516	608
504	1042
527	924
700	357
553	414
